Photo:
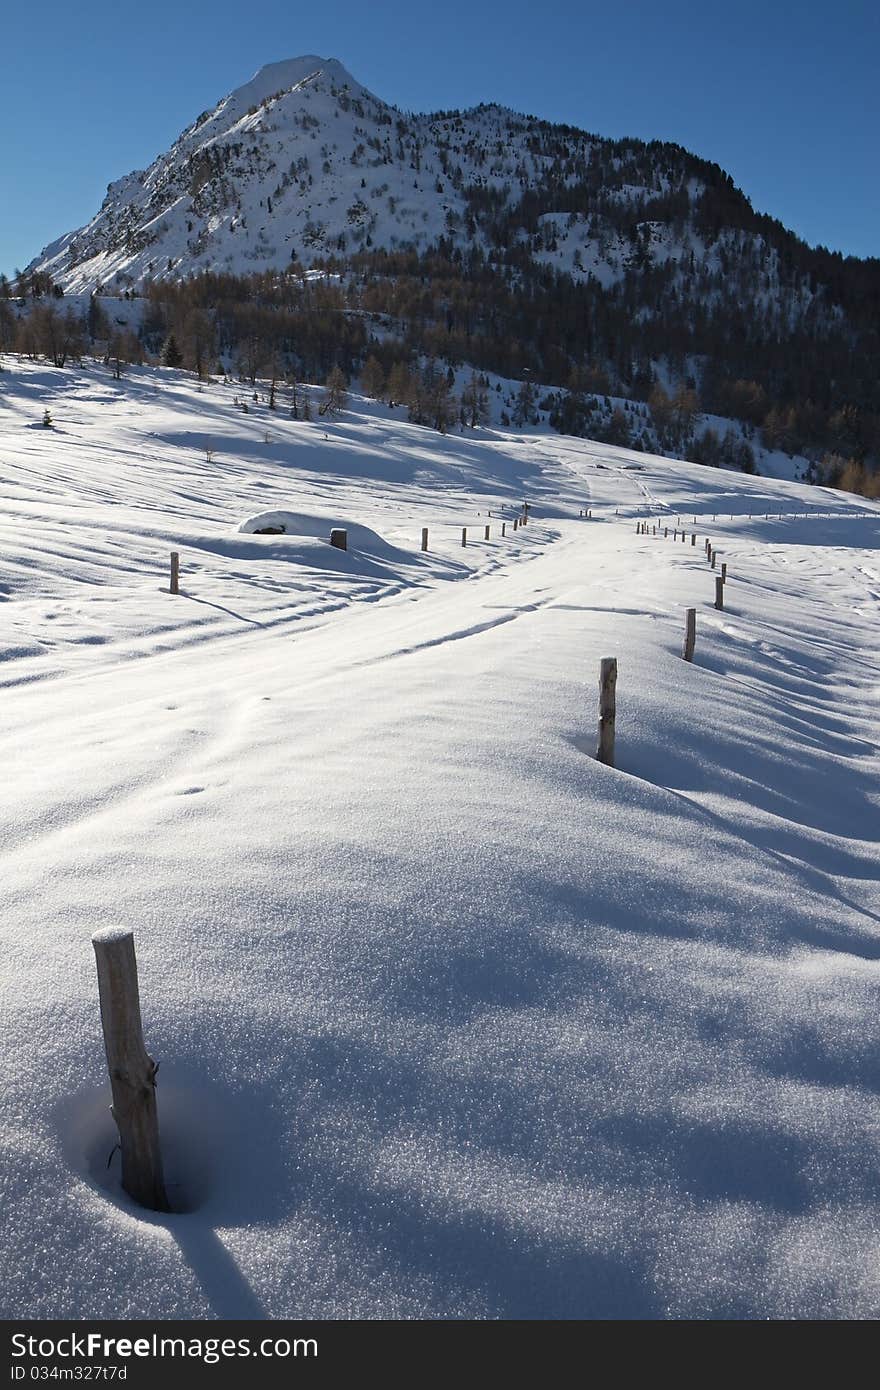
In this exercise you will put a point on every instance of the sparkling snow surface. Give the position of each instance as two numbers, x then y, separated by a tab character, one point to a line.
452	1020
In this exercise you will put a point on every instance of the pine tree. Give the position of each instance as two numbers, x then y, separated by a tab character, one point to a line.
475	403
171	354
97	323
524	407
7	325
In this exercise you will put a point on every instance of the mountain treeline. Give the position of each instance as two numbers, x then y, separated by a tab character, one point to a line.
783	338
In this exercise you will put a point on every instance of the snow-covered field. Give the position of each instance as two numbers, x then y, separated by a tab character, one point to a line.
452	1020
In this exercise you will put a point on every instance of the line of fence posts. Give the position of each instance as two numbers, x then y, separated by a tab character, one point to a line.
712	557
339	539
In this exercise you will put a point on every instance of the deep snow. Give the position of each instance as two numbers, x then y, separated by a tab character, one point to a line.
452	1020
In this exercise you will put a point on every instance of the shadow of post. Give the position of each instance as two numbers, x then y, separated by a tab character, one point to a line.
223	1284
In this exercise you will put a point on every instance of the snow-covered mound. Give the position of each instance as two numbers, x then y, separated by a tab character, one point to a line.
452	1020
319	527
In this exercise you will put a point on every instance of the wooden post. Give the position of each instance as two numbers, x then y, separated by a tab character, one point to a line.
693	537
132	1072
690	634
175	572
464	535
712	555
607	709
719	592
504	528
486	537
724	572
424	538
339	538
515	522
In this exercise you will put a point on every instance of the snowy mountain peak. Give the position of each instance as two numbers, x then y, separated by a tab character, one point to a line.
271	81
277	78
289	73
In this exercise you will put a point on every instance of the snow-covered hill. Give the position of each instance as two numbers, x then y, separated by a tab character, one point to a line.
303	162
452	1019
300	161
483	238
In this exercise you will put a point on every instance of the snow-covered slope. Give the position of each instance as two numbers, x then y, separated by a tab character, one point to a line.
300	161
303	162
452	1020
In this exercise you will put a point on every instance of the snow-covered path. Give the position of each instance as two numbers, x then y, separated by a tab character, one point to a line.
452	1019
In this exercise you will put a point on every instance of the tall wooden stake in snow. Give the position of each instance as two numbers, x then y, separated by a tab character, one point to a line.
690	634
175	572
607	709
424	538
132	1072
719	592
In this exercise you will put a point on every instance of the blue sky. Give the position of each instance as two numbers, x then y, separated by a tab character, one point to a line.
783	96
